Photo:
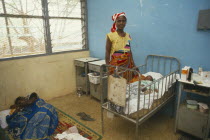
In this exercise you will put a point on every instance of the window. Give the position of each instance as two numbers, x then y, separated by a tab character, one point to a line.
32	27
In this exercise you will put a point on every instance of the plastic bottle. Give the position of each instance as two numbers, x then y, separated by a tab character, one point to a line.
200	70
190	71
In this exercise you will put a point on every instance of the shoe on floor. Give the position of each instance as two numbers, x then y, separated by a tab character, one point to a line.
85	117
81	114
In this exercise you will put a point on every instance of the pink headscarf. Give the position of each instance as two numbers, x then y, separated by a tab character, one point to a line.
114	17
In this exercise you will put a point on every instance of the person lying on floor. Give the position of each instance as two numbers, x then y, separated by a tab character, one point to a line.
32	118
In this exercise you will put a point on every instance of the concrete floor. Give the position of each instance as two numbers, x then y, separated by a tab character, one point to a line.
158	127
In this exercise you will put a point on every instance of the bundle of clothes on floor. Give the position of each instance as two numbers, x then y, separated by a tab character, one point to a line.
31	118
71	133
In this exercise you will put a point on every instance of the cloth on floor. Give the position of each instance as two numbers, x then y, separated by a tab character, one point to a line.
85	117
71	136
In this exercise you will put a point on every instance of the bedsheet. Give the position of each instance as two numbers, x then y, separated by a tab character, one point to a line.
146	100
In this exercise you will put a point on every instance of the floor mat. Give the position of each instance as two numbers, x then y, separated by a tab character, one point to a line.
85	117
66	121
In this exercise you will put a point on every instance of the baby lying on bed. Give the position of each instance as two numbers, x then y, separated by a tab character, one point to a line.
146	81
132	89
147	96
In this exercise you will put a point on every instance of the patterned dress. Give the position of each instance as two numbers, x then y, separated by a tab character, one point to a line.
121	54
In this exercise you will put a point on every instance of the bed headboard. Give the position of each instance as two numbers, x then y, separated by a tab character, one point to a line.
160	64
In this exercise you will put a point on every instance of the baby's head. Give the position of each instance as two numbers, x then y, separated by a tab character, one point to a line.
148	78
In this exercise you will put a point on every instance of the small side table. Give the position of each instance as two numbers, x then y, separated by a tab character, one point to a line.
81	66
96	89
192	121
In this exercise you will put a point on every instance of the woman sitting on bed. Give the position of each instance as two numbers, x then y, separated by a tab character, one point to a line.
32	118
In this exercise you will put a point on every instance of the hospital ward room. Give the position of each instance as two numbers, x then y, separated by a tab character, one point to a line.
104	70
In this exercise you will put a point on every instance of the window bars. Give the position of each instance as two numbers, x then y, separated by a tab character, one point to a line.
41	27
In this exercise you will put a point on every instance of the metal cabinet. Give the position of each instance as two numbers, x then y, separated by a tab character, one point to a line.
81	66
96	89
192	121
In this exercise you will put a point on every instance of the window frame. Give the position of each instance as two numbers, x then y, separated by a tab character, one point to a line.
46	27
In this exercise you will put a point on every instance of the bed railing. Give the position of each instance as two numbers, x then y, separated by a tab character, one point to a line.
160	64
165	65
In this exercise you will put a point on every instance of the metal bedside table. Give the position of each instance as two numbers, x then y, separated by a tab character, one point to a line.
96	89
81	66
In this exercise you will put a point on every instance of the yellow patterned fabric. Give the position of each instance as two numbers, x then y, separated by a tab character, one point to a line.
121	55
124	60
118	42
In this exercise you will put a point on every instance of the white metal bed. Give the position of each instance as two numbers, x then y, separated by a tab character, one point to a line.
146	104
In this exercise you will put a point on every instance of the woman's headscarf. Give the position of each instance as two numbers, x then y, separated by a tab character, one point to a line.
114	17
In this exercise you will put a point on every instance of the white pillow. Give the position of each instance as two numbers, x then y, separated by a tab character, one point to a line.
3	115
154	75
